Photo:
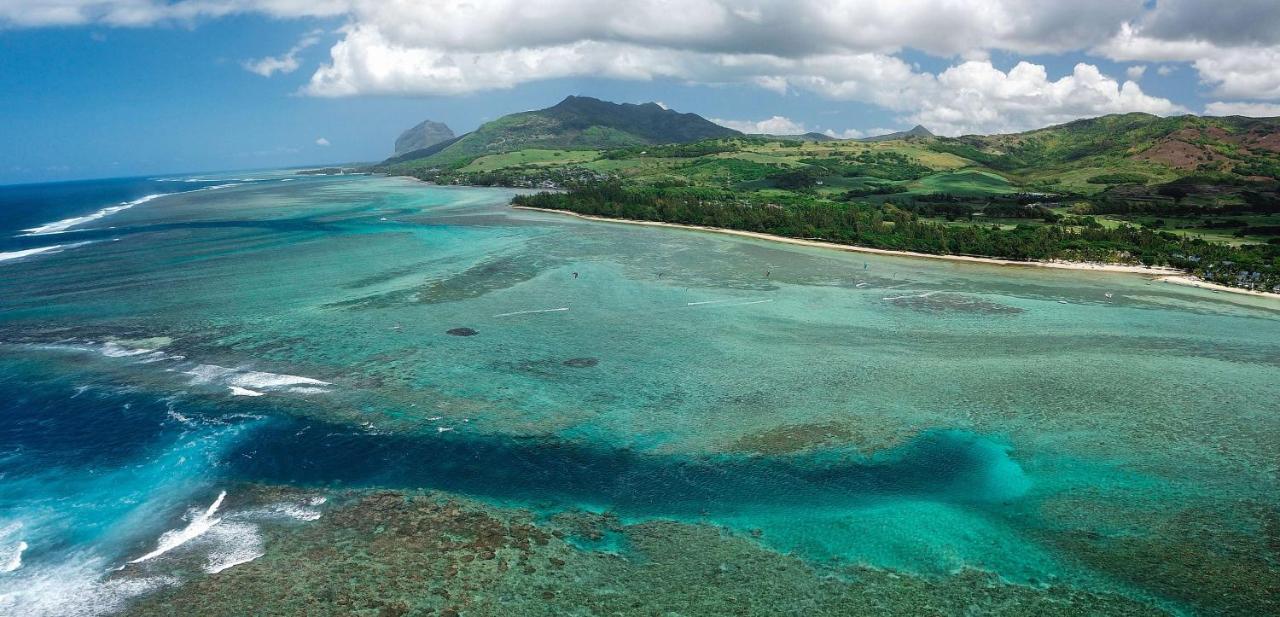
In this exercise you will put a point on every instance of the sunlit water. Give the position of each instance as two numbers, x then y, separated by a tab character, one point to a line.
910	414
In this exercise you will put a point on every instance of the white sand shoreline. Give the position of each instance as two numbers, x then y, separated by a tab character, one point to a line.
1164	274
1191	281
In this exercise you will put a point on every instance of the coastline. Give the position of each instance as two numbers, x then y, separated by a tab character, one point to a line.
1191	281
1159	273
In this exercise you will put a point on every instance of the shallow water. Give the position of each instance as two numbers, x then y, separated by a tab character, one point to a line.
918	415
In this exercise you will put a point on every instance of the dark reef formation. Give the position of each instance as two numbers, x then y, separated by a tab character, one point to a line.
400	554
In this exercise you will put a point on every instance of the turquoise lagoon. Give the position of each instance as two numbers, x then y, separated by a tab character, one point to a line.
1098	432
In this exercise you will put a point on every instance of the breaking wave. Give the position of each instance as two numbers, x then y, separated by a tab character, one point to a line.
66	224
56	248
237	381
58	227
199	524
11	549
242	382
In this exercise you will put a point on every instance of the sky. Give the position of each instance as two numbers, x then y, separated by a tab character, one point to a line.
106	88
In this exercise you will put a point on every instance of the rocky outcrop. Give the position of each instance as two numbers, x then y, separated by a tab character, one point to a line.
424	135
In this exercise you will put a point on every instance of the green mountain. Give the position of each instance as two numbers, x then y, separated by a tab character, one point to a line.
1136	144
576	123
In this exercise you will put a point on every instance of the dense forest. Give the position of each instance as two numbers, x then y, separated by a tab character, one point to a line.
890	227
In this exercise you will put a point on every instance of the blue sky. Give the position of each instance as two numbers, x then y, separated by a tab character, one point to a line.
96	88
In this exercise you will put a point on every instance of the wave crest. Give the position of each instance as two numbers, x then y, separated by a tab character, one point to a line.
58	227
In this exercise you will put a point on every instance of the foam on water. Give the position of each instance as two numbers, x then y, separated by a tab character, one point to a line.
64	225
115	350
236	181
199	524
234	538
239	382
533	312
245	382
14	560
76	588
285	510
85	585
234	543
11	548
67	223
56	248
238	539
178	417
82	517
84	523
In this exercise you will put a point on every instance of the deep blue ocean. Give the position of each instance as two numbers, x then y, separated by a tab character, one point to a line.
26	207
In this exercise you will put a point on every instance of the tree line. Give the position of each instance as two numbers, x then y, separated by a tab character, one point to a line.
890	227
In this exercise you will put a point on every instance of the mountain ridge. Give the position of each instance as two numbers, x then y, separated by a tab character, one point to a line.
1084	153
577	122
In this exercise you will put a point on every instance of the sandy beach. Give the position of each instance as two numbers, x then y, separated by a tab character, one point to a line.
1164	274
1191	281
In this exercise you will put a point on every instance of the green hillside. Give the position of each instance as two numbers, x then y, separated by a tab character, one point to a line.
576	123
1090	155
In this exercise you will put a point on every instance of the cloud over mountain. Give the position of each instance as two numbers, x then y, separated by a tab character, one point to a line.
838	49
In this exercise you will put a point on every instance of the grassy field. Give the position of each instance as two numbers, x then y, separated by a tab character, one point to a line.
1077	179
534	156
748	166
1195	227
964	182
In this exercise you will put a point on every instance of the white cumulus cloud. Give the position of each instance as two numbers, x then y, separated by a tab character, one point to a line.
839	49
1234	47
977	97
322	142
782	125
1252	73
140	13
776	125
854	133
285	63
1252	110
